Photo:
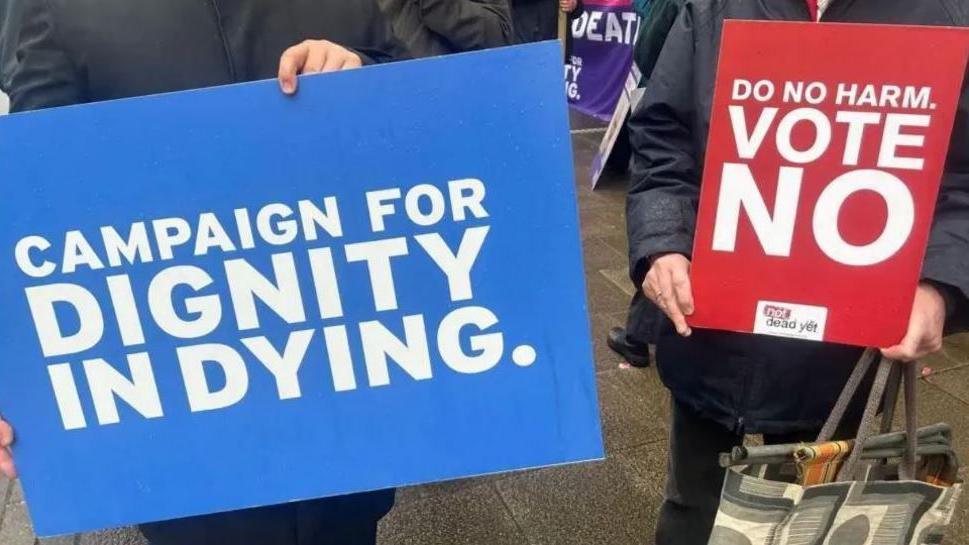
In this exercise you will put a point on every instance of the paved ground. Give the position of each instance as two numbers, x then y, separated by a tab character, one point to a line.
608	503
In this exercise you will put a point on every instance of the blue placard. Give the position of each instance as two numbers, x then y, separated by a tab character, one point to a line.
229	298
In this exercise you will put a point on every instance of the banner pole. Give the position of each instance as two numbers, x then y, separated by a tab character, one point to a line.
563	28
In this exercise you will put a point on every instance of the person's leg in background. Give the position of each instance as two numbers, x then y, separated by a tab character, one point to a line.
632	342
346	520
343	520
694	478
263	525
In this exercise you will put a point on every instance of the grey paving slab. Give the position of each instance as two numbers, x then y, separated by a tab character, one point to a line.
601	503
4	491
619	243
596	222
16	493
646	465
613	185
958	532
15	529
955	354
935	405
611	202
954	382
585	144
579	121
435	490
604	296
634	408
122	536
598	256
472	516
619	278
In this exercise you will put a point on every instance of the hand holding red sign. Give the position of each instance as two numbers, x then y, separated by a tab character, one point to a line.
821	179
668	286
925	327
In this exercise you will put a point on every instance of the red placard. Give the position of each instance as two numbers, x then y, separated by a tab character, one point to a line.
827	146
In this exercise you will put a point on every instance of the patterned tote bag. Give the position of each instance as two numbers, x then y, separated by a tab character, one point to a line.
895	489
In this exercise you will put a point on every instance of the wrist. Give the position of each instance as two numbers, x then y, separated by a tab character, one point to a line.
656	257
943	294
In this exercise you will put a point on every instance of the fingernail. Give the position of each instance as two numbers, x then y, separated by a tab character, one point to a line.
287	87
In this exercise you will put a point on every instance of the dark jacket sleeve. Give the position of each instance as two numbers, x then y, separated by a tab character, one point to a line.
947	257
379	45
665	183
469	24
655	29
45	76
10	16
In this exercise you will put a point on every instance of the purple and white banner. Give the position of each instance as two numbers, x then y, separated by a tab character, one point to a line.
600	57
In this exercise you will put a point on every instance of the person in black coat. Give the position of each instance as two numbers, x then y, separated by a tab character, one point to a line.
79	51
726	384
537	20
439	27
9	33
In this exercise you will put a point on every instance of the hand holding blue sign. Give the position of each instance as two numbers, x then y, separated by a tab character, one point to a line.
6	460
314	57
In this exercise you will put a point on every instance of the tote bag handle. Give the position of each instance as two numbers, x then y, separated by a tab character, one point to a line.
887	381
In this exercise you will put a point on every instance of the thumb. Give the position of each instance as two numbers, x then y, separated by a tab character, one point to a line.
290	64
905	350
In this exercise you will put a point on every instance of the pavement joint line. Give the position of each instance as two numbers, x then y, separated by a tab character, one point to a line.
939	390
956	367
626	449
602	240
624	287
508	510
3	501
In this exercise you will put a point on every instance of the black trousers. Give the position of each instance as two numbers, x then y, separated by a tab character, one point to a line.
694	477
345	520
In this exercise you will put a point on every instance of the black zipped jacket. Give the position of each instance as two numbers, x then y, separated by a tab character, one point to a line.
439	27
753	383
9	33
78	51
